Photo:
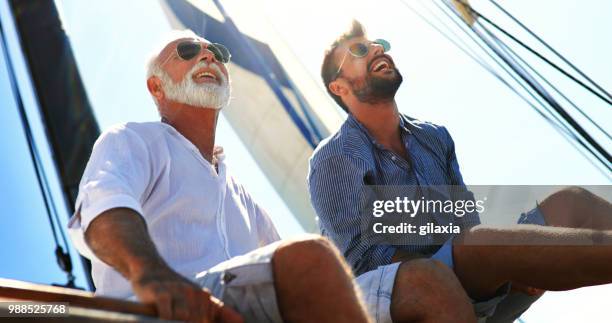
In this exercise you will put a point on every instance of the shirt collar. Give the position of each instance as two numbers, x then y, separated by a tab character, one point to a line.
218	152
404	127
405	124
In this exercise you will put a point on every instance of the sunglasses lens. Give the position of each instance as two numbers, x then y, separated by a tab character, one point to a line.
222	54
188	50
385	44
359	50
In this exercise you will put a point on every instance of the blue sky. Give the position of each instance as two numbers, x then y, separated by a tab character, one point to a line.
499	140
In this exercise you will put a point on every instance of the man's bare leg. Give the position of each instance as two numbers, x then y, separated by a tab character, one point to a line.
575	207
314	284
428	291
547	258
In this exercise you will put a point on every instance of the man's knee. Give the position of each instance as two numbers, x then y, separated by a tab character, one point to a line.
424	285
313	251
567	207
436	282
308	246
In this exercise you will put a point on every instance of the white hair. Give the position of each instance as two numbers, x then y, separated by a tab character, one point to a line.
208	95
152	64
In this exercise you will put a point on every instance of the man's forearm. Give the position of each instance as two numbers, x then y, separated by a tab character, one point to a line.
119	237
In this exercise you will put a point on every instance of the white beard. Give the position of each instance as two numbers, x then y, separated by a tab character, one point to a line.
206	95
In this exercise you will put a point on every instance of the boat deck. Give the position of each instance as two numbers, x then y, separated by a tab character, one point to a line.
82	306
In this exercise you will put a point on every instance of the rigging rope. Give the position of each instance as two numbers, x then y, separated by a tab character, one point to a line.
553	103
558	126
62	257
566	61
542	57
552	86
541	92
518	69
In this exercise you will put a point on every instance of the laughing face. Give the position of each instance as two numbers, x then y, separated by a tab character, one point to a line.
372	78
201	81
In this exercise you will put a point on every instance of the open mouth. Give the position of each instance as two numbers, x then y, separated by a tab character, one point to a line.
381	64
205	76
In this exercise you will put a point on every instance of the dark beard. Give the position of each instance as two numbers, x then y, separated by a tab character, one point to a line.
376	89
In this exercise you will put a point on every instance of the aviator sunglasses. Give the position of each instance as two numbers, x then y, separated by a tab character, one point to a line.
361	50
189	49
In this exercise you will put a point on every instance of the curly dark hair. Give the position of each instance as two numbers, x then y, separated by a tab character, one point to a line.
329	68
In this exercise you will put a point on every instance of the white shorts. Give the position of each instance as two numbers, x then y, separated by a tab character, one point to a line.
246	284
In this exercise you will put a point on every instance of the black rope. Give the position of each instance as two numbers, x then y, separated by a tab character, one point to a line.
539	88
548	109
533	51
550	100
577	127
62	257
559	125
566	61
576	141
552	86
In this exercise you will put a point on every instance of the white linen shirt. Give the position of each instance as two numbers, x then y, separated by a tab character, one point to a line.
196	217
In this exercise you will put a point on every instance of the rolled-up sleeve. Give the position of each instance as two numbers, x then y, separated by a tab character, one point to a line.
117	175
338	195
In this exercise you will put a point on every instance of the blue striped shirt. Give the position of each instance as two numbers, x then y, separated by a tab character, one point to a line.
350	161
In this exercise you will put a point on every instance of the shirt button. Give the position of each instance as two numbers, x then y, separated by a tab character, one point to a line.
393	158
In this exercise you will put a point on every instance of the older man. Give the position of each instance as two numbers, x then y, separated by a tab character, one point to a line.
551	249
160	216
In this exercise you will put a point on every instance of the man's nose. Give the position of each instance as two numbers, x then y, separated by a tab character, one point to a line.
207	56
377	49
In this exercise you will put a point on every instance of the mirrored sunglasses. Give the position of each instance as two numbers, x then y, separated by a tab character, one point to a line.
362	49
187	50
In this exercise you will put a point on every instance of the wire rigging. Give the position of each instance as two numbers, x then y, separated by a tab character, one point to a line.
554	105
570	137
558	124
560	127
565	60
62	257
605	158
462	26
542	57
552	86
535	85
593	147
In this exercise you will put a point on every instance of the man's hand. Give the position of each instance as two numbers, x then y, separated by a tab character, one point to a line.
177	298
119	237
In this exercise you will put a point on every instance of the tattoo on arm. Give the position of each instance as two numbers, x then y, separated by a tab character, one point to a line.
119	237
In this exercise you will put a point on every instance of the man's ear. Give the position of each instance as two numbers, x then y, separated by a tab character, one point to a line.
154	85
338	88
